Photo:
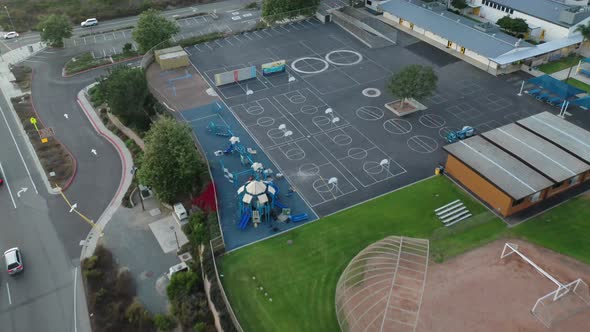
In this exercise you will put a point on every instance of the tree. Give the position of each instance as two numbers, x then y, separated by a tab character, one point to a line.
182	284
170	164
152	29
281	9
414	81
125	90
459	4
54	29
584	30
516	25
164	322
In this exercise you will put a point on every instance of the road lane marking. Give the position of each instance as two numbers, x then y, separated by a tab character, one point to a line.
8	291
17	148
7	185
75	309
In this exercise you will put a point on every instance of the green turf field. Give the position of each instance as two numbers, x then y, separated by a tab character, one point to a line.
301	278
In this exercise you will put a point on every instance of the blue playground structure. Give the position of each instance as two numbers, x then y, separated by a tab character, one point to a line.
465	132
219	130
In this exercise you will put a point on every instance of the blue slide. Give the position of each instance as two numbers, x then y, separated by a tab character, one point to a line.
279	204
299	217
244	221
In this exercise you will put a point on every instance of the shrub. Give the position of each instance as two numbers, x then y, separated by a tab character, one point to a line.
164	322
127	48
182	285
200	327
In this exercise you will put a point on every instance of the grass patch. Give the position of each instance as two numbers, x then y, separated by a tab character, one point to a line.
578	84
561	64
84	62
200	39
564	229
252	5
180	17
124	56
301	278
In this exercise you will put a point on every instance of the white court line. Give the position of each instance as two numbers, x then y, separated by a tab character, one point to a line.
17	148
8	186
75	299
8	291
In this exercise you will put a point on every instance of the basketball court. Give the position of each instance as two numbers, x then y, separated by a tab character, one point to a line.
323	123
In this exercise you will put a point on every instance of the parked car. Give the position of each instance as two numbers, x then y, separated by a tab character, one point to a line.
10	35
14	261
89	22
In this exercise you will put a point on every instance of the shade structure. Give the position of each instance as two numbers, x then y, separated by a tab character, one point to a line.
556	86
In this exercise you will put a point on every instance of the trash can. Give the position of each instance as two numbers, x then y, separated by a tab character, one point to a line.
30	47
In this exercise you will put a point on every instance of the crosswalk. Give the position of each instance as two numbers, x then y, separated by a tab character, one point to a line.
248	36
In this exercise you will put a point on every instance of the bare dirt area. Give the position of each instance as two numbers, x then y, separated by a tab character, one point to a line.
181	89
478	291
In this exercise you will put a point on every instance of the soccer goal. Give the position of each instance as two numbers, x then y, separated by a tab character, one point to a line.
559	304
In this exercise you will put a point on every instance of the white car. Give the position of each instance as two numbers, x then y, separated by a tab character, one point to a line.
89	22
10	35
14	261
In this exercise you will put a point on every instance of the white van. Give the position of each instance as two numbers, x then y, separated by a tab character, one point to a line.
89	22
180	212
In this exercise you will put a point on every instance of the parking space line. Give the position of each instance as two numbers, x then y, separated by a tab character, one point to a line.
227	40
268	33
197	47
245	34
204	19
195	19
104	53
283	27
217	42
207	44
94	38
75	42
229	28
11	197
182	36
104	36
114	37
292	25
236	37
8	291
258	35
114	51
174	39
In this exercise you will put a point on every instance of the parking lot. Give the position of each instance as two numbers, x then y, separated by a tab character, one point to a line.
345	146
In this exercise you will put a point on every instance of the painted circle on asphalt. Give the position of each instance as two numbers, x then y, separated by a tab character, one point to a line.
255	110
397	126
357	153
369	113
295	154
309	109
342	139
297	99
432	121
265	121
444	131
422	144
309	169
359	58
275	133
371	92
306	59
322	186
321	121
372	167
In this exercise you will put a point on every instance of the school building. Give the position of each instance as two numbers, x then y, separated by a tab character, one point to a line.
522	164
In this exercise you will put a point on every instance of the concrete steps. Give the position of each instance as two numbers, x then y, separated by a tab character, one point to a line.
360	30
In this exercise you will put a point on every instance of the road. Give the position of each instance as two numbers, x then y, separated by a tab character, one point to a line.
123	26
42	297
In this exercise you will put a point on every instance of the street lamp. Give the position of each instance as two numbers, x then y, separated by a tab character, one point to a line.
9	18
176	237
134	172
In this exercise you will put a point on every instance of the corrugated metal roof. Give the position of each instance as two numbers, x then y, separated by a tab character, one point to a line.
566	135
529	52
445	24
544	156
499	167
544	9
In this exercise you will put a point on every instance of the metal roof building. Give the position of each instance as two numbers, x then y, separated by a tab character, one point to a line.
521	164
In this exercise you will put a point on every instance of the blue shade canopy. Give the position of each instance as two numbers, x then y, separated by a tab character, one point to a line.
556	86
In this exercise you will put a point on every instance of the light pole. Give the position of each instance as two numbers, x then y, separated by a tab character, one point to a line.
134	172
9	18
176	237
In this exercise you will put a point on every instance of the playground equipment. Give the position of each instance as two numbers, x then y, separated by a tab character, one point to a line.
464	133
299	217
236	146
255	201
219	130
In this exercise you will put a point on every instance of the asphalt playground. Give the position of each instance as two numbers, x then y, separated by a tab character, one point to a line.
344	146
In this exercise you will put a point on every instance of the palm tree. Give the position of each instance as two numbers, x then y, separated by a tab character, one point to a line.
584	30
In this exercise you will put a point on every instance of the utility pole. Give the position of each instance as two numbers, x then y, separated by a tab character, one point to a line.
134	172
9	18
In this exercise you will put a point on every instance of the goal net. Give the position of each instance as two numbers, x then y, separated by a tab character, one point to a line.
562	303
567	300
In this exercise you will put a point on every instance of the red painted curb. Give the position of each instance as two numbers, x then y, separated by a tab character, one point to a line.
63	71
119	150
67	185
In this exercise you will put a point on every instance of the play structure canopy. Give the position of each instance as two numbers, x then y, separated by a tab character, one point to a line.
556	86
